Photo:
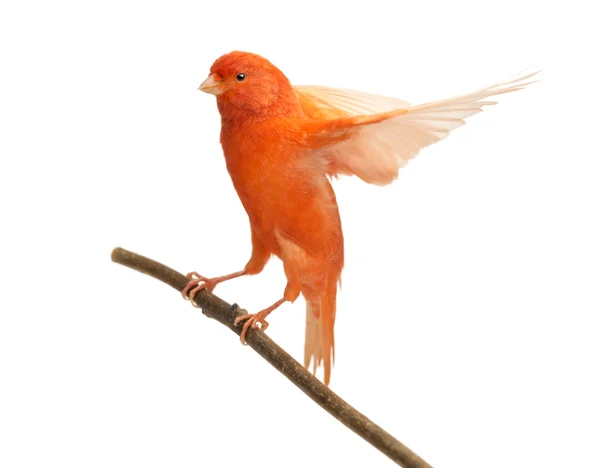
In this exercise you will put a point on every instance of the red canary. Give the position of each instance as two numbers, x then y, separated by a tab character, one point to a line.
281	145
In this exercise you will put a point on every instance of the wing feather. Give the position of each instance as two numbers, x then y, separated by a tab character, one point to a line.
320	102
375	146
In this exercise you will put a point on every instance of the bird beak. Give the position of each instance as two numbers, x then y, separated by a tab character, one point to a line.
211	86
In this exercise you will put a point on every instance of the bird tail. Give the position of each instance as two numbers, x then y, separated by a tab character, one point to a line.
319	346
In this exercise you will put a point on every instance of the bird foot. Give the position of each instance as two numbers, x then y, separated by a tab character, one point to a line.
252	320
197	283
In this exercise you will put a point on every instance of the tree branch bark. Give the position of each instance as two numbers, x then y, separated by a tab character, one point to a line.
216	308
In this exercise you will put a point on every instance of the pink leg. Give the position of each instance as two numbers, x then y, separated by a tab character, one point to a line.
199	282
252	320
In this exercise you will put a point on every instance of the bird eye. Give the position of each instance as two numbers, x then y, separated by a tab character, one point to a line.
240	76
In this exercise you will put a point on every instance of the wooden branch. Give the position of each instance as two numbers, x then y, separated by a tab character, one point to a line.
216	308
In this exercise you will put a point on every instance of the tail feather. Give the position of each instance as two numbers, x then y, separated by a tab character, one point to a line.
319	347
313	351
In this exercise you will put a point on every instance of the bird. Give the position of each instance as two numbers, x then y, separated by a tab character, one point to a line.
283	144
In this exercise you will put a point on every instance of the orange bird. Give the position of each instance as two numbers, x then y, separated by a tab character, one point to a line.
282	143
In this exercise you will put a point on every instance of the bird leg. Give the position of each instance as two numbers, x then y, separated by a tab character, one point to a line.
199	282
252	320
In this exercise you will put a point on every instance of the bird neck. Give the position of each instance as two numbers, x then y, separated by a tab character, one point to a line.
233	113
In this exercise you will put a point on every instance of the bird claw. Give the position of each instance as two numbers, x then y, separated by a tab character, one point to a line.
197	283
251	320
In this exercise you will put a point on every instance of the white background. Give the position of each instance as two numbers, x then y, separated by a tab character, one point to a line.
468	320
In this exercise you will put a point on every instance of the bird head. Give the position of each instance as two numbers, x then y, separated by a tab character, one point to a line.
247	84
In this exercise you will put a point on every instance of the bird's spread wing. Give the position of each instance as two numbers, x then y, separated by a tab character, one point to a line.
322	102
374	147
